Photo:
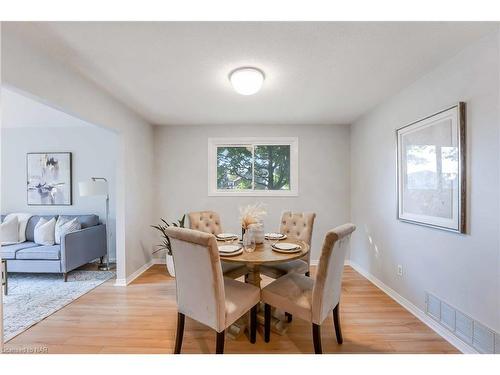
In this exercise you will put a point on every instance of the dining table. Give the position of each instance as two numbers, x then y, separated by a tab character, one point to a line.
264	255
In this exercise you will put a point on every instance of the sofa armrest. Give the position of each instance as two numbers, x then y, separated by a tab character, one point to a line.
82	246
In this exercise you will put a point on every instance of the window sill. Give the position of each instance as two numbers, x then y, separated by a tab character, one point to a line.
265	193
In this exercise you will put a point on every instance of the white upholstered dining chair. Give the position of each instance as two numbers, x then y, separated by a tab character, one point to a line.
308	299
203	293
209	222
297	225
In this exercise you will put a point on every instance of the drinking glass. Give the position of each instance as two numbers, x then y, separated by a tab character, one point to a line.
248	242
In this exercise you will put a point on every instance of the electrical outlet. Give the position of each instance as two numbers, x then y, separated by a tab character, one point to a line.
400	270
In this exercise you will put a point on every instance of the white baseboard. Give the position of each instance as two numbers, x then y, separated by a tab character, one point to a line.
159	260
135	275
418	313
139	272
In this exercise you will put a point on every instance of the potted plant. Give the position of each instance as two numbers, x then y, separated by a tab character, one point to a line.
165	245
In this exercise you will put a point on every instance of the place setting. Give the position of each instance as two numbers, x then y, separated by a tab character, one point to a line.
286	247
226	237
230	250
275	236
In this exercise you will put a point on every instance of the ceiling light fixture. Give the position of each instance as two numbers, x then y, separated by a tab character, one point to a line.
247	81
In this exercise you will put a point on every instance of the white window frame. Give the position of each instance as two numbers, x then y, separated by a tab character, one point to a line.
213	143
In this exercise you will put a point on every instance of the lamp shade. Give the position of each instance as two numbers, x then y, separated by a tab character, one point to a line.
92	188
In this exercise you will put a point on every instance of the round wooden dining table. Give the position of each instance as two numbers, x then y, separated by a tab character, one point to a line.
263	255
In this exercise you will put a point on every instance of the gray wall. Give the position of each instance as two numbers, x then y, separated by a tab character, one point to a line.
94	154
182	178
463	270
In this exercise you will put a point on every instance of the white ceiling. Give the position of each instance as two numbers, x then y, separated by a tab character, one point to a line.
176	73
21	111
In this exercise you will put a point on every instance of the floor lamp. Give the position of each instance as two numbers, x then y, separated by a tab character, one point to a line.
98	186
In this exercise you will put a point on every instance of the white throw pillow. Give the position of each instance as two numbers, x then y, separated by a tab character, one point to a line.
23	222
9	231
45	231
65	225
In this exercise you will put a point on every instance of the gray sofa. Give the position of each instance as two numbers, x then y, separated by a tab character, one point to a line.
76	248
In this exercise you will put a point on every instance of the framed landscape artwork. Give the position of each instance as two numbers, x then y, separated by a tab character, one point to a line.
49	179
431	170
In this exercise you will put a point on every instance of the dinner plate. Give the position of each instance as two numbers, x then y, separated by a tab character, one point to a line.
286	247
223	250
226	236
229	249
275	236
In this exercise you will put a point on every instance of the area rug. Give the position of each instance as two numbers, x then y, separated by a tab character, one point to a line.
33	297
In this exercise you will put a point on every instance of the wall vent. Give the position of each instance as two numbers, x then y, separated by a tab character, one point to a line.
483	339
433	307
464	327
448	318
470	331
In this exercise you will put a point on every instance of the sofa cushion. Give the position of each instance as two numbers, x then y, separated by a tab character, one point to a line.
85	220
65	225
44	232
40	253
9	251
30	228
9	231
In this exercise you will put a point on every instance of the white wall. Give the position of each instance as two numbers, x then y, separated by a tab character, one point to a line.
182	178
463	270
26	67
94	153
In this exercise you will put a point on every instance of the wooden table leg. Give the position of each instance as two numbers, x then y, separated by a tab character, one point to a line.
279	322
254	275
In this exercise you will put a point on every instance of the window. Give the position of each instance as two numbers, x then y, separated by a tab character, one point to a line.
253	166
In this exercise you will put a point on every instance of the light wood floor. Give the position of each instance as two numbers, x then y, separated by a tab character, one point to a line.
141	318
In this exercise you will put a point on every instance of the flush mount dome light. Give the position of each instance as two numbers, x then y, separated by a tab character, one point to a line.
247	81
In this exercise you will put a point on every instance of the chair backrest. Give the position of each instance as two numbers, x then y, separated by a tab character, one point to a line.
205	221
327	287
298	225
198	276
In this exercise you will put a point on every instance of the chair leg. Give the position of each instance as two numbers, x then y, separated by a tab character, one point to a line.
288	317
267	322
336	323
219	348
180	333
317	338
253	324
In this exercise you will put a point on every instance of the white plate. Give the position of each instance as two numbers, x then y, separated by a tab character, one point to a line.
286	247
226	236
228	249
275	236
231	254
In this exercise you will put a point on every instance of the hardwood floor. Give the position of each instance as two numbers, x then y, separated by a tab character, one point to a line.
142	318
